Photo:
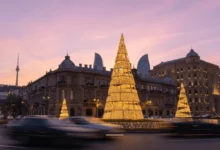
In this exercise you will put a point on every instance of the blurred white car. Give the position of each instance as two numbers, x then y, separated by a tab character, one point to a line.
43	130
19	117
105	129
10	117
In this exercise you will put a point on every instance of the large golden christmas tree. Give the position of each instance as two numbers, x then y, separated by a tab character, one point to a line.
122	101
183	109
64	111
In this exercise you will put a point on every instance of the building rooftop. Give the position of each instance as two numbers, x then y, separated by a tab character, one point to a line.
67	63
165	81
192	53
7	88
170	62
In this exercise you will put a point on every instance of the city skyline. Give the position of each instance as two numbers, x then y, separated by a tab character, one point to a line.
45	31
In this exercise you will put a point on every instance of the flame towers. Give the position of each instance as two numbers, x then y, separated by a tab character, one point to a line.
122	101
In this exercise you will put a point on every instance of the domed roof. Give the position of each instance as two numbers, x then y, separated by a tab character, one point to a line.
192	53
143	65
66	63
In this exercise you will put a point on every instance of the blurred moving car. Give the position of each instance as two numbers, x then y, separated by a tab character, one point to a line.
19	117
10	117
42	130
104	129
195	128
12	123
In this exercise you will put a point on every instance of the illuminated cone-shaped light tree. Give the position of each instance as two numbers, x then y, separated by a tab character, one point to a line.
64	111
122	101
183	109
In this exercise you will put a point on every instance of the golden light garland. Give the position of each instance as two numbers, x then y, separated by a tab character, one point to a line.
122	101
64	111
183	109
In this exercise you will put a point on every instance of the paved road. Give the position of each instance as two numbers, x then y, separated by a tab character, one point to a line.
139	141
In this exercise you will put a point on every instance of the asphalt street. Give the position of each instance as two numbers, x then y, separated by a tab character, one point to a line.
134	141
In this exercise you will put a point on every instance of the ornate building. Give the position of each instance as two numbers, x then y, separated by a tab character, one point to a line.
201	80
85	89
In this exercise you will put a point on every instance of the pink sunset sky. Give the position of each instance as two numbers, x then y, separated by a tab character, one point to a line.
43	31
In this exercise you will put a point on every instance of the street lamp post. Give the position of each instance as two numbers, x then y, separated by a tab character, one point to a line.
46	98
146	104
97	105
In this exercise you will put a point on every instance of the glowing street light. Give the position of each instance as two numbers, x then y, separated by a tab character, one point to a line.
97	105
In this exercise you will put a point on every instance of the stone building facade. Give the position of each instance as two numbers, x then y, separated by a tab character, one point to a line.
85	89
201	80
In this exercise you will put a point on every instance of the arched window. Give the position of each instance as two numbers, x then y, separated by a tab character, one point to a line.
195	83
189	91
160	112
190	100
72	112
196	92
194	75
196	99
168	112
190	84
88	112
177	77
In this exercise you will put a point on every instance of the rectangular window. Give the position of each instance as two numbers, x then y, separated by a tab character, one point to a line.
196	99
181	76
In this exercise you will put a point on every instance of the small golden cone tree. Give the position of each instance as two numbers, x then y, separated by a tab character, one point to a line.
183	109
64	111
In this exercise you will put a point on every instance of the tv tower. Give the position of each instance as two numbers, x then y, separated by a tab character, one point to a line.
17	70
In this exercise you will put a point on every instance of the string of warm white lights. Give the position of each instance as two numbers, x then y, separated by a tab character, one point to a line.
122	101
64	111
183	109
